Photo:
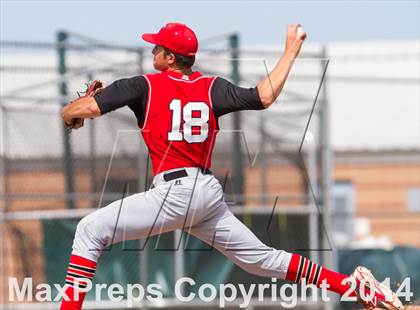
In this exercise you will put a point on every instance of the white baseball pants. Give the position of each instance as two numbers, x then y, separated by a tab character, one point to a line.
194	203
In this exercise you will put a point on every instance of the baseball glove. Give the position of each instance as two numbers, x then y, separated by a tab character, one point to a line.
92	88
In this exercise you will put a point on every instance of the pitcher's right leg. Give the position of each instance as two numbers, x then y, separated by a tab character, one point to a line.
135	217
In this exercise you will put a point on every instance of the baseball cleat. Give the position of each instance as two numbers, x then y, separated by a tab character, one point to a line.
383	297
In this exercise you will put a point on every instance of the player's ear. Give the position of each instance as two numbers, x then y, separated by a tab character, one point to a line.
171	58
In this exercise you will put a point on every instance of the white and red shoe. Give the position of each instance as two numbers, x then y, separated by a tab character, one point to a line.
383	298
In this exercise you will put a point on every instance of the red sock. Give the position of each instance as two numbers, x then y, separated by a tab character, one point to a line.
80	269
302	268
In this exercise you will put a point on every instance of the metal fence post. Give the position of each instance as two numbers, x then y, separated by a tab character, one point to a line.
179	246
67	155
92	150
238	173
326	172
312	190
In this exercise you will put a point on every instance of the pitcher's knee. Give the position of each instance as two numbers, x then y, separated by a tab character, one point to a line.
82	229
87	240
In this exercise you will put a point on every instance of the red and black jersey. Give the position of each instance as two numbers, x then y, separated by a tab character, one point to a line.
178	114
179	127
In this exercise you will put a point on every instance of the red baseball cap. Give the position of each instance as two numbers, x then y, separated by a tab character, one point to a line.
176	37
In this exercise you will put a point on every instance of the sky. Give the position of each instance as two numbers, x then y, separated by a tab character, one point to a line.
258	22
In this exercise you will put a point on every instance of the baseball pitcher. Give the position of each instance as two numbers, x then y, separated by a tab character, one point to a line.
177	110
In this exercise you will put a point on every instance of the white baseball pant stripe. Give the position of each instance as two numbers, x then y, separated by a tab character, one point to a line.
194	203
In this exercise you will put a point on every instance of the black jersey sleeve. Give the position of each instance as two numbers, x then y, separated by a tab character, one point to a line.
227	98
131	92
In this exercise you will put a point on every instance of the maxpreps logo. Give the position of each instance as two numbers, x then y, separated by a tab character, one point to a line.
114	292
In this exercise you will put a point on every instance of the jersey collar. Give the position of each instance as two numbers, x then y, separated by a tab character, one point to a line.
193	76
